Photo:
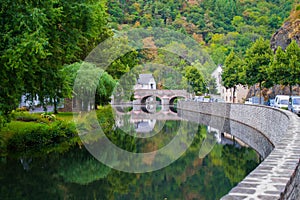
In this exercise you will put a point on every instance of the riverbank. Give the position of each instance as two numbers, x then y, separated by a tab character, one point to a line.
37	131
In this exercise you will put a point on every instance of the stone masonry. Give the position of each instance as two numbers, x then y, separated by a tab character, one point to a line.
274	133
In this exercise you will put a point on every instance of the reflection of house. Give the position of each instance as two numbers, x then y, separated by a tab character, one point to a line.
144	126
145	81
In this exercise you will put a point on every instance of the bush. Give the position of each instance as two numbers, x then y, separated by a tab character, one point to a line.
25	117
39	135
50	117
22	109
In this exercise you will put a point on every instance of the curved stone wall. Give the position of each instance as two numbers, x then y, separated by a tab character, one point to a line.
274	133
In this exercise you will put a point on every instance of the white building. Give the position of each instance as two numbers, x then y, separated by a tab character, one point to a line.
240	94
217	75
227	94
145	81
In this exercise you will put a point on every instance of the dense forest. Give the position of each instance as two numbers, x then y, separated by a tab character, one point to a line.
235	33
220	25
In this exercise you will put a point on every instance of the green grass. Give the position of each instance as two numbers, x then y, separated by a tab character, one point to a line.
31	131
19	136
66	116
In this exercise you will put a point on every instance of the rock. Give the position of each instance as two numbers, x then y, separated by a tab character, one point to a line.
288	32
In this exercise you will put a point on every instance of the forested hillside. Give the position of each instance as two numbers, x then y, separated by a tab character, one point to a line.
220	25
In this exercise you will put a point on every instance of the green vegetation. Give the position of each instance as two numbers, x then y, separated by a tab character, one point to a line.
261	66
285	67
45	131
19	135
242	27
221	25
43	45
44	40
257	60
37	39
195	79
233	72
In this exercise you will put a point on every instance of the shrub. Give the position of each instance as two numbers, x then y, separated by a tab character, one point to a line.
39	135
25	117
22	109
50	117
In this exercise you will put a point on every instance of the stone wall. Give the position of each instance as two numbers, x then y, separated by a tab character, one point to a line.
274	133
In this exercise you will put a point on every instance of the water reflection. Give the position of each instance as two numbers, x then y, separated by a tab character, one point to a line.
204	171
143	121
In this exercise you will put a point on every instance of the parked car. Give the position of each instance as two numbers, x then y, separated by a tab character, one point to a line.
271	102
199	98
294	104
254	100
281	101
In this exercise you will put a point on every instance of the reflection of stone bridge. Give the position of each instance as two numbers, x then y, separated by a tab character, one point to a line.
167	97
141	112
141	119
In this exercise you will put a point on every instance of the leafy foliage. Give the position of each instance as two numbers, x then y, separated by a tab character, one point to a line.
195	79
38	135
285	68
37	38
89	82
233	71
238	22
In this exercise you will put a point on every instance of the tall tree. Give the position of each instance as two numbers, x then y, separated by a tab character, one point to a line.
232	74
88	83
257	61
285	68
195	79
38	37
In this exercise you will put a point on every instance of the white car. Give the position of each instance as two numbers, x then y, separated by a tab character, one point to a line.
281	101
294	104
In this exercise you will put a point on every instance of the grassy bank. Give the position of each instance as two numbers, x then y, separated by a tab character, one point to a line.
43	131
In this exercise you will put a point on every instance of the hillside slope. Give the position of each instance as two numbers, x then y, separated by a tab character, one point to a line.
288	32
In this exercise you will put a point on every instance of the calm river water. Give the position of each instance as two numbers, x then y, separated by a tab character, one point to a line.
76	174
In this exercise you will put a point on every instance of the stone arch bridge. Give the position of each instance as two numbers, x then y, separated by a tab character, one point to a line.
167	96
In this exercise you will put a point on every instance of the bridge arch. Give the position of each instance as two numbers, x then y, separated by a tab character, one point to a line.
173	99
152	99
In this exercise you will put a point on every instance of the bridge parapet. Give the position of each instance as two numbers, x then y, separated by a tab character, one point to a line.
164	95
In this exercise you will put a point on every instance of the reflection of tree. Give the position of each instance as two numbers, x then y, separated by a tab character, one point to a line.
77	175
81	168
193	178
238	162
36	183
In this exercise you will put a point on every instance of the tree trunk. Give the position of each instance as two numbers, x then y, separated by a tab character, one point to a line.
291	90
55	106
233	94
259	92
